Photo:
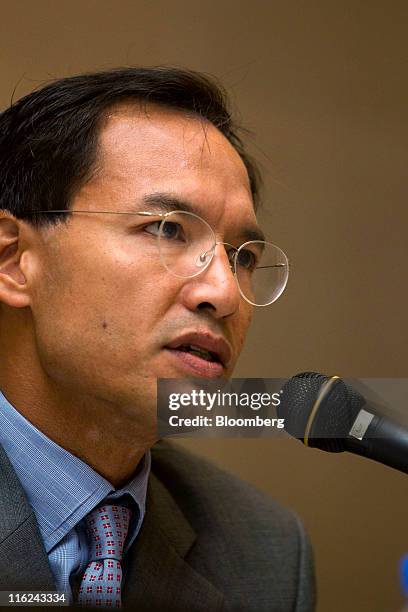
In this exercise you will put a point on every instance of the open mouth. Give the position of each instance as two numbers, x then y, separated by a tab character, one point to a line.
197	361
199	352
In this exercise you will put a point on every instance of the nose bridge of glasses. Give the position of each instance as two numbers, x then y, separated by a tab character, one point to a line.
211	252
231	253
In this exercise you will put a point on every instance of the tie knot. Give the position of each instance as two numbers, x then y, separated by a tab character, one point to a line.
107	528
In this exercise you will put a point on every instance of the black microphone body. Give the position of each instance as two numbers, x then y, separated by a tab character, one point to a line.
384	441
325	413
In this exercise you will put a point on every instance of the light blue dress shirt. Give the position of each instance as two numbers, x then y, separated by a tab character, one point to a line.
62	490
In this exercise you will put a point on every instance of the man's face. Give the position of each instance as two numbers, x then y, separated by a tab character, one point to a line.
105	309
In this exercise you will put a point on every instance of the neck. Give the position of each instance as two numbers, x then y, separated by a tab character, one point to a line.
110	439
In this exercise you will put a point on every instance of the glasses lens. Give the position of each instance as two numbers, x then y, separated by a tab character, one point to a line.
262	271
186	244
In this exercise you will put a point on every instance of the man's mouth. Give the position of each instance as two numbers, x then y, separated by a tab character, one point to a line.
200	352
196	362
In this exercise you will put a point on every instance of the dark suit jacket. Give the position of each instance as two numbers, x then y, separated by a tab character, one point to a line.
209	542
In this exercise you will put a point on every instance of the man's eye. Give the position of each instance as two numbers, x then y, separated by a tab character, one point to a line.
247	260
152	228
170	230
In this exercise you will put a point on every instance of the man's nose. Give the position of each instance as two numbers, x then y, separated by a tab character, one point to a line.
215	288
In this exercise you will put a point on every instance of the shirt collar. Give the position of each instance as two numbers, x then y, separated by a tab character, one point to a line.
60	487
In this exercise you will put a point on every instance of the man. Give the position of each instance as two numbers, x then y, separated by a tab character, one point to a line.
95	306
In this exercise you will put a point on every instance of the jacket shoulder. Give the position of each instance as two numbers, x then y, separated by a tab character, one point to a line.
244	537
198	483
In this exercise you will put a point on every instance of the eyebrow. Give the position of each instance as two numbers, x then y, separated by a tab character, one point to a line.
164	202
167	203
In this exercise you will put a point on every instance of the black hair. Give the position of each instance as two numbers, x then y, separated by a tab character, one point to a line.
49	138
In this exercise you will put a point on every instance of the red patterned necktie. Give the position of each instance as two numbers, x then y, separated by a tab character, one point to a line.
107	528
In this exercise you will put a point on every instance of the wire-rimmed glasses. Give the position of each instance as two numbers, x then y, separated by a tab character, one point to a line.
187	243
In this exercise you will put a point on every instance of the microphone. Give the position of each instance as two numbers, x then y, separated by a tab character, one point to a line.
323	412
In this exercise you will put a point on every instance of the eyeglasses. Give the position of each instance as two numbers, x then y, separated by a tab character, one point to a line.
187	243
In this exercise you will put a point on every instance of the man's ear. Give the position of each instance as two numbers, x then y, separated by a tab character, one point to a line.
13	284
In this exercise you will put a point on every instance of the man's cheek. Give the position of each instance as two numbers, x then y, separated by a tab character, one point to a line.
151	294
247	319
241	331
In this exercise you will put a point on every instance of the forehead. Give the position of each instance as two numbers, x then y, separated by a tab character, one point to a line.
162	150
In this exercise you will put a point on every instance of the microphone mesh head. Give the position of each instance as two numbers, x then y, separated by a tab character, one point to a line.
334	417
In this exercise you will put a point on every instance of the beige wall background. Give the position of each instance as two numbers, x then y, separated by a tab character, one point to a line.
323	87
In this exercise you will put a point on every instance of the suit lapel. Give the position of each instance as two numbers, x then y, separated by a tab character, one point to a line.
23	559
157	576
